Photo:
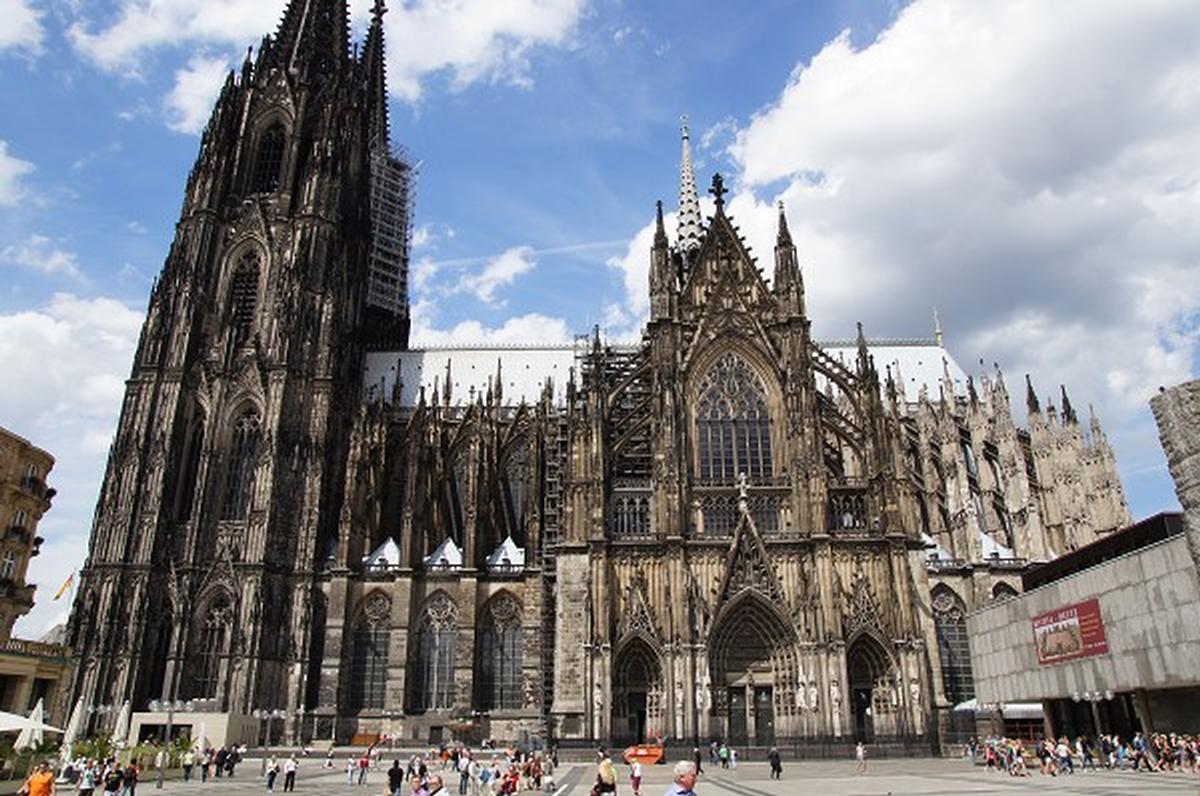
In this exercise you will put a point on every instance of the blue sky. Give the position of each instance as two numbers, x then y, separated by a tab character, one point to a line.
1028	168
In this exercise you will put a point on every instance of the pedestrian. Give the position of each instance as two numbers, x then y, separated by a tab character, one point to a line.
396	779
272	774
696	758
289	773
351	767
733	759
635	777
684	784
88	776
221	758
435	786
364	763
189	762
40	782
776	763
131	778
860	756
113	777
606	775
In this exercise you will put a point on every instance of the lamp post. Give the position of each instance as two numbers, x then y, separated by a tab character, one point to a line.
269	715
169	706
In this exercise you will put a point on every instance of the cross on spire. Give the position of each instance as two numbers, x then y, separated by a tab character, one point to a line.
718	191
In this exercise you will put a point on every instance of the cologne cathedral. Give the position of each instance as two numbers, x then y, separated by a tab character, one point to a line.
726	530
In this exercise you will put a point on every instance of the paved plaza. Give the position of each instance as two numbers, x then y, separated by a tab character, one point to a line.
895	777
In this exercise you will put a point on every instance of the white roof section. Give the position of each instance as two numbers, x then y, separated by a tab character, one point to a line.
507	554
447	555
386	556
990	548
524	370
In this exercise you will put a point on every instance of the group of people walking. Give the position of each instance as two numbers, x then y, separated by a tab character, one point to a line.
456	769
1159	752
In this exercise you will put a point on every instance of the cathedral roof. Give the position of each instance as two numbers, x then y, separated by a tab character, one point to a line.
386	556
524	369
507	554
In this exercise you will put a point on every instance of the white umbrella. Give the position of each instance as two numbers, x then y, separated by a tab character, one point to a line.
11	722
198	737
71	733
32	734
121	728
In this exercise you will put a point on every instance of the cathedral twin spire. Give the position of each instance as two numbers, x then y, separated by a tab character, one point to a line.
689	200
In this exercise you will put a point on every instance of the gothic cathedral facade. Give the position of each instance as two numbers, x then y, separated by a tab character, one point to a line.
727	529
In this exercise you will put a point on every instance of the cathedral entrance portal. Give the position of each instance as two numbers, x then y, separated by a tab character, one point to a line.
637	694
870	691
751	652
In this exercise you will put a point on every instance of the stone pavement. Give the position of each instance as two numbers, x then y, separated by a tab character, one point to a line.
895	777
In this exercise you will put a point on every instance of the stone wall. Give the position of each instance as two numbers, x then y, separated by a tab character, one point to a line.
1150	604
1177	412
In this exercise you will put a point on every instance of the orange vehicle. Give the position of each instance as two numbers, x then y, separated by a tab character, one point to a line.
647	755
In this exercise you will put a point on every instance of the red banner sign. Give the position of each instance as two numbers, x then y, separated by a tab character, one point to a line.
1076	631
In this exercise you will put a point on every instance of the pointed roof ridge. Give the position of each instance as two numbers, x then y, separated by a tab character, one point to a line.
375	66
660	232
304	18
689	200
784	236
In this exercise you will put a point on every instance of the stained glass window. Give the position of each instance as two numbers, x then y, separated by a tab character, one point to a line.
268	166
239	478
436	640
950	624
499	672
368	665
733	426
243	297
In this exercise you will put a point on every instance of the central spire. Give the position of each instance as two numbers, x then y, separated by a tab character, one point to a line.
689	201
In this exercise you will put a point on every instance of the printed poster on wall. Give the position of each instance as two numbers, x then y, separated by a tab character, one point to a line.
1069	633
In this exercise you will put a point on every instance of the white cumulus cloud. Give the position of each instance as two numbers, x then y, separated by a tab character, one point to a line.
190	101
520	329
43	255
12	173
499	272
467	40
70	358
22	28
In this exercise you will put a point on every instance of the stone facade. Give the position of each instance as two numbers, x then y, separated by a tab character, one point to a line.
724	529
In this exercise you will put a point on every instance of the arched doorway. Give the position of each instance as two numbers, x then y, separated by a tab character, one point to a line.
873	695
751	652
636	694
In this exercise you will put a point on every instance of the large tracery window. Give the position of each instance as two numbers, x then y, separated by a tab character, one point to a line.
268	165
950	624
499	666
733	426
369	655
243	297
433	687
239	477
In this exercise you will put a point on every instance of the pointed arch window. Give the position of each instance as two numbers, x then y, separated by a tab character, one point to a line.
268	163
950	625
733	425
211	640
433	686
243	456
500	658
513	489
370	646
243	297
191	470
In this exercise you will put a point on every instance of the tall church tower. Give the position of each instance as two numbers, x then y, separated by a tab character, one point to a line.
223	486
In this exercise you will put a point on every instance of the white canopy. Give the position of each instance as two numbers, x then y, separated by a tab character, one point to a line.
507	554
447	556
384	557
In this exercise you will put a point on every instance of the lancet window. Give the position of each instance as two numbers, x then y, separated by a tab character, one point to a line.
433	688
500	658
243	297
369	656
243	456
210	649
733	426
455	494
950	624
268	165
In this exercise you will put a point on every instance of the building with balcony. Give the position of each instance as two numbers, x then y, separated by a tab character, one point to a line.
29	670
